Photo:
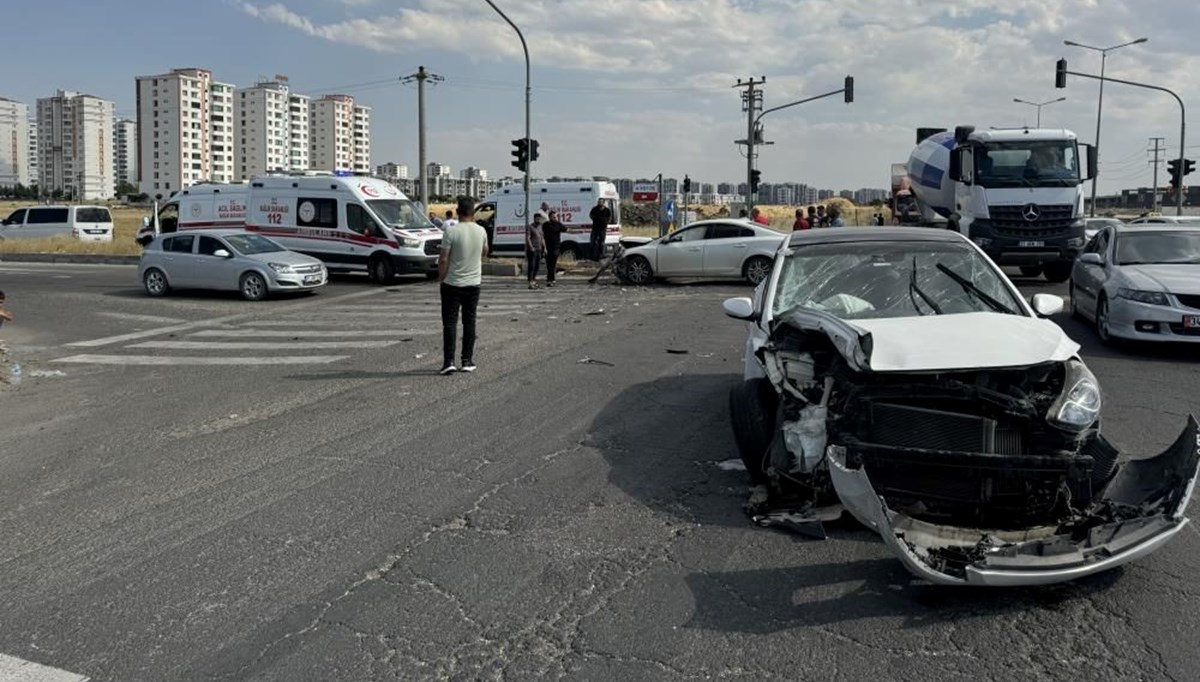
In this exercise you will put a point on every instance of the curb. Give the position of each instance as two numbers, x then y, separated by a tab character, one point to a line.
501	269
84	258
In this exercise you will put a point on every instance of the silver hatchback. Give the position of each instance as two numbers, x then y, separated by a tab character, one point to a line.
231	260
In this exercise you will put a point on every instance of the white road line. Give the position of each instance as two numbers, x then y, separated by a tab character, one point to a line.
199	360
309	333
143	318
351	316
13	669
263	345
435	307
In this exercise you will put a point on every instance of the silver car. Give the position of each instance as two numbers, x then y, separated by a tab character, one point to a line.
228	260
1140	283
728	248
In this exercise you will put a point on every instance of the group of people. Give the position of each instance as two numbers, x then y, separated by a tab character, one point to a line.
818	216
446	221
543	240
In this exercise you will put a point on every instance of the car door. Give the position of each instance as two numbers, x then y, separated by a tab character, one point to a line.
212	271
177	259
681	254
725	248
1088	278
13	223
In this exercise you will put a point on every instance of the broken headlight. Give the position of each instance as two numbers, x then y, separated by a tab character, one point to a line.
1078	406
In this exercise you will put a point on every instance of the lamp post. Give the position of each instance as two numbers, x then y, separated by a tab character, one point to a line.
1039	106
1100	104
528	142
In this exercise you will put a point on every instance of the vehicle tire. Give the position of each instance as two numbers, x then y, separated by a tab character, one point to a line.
380	269
155	281
1058	272
253	286
752	407
1074	298
1102	322
1031	270
568	254
638	271
756	270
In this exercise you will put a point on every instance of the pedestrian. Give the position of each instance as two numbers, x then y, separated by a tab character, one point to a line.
437	222
759	217
742	214
800	223
812	217
552	230
535	249
834	217
822	219
460	271
601	216
7	365
449	220
544	210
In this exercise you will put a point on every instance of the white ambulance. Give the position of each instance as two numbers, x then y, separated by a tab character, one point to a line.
350	222
503	214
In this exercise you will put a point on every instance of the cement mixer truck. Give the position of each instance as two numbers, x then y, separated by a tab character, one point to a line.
1017	193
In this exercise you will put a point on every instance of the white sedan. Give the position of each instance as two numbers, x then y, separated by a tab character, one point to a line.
1140	283
731	248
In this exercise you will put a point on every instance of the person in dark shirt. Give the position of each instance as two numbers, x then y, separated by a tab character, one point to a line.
552	231
601	216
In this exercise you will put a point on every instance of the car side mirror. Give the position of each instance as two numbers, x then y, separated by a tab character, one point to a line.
1046	305
222	253
145	221
739	308
1091	258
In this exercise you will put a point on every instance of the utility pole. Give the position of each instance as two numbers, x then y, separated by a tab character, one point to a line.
752	99
420	77
1156	150
529	143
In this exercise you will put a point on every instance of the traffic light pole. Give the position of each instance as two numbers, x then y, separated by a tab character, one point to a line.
528	140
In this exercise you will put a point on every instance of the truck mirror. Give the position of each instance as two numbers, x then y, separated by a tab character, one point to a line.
1093	162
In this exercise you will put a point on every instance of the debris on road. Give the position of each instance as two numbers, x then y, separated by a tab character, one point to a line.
677	351
734	464
46	373
592	361
597	311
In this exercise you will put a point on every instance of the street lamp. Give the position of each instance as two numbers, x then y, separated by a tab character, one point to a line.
1103	58
1039	106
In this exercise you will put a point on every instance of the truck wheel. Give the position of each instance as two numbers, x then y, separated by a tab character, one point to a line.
1058	272
380	269
568	254
1031	270
752	407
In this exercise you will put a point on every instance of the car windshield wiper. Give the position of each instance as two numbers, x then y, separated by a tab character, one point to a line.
913	288
970	288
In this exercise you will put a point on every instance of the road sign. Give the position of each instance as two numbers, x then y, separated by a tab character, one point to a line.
645	192
669	209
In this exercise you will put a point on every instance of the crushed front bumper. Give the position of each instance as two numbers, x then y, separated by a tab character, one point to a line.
1141	508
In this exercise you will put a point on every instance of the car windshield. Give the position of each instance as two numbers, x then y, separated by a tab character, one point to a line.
250	244
868	280
1030	163
1144	248
400	214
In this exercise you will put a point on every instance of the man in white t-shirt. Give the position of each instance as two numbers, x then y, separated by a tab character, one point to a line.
460	271
449	220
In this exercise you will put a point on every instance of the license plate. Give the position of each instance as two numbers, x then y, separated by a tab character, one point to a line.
1191	321
1033	244
94	231
312	279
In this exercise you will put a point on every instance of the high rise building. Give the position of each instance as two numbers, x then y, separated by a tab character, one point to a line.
298	132
32	156
362	139
264	131
75	150
473	173
124	152
185	131
14	142
331	140
392	171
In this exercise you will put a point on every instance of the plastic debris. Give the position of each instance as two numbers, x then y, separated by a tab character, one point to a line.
592	361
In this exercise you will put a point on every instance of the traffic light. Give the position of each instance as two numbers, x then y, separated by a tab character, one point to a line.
754	178
520	154
533	150
1173	171
1060	74
849	90
687	184
1188	166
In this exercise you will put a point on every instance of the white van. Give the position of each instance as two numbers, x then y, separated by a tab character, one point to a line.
86	223
356	223
502	213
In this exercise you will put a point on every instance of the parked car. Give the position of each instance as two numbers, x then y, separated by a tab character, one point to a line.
733	248
1140	283
1166	220
1093	225
897	374
227	260
87	223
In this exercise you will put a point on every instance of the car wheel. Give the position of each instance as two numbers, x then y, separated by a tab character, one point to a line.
568	255
253	286
380	270
756	270
637	270
1031	270
1058	272
1074	296
155	281
1102	322
752	406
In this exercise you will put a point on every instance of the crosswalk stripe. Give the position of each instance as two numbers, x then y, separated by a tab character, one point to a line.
261	345
13	669
309	333
483	305
200	360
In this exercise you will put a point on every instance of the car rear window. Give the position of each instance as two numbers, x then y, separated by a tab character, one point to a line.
46	215
92	215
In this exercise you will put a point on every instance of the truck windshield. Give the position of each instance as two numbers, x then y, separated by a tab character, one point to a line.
400	214
1032	163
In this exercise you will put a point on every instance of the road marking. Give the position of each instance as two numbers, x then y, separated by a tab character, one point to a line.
264	345
197	360
309	333
143	318
13	669
431	306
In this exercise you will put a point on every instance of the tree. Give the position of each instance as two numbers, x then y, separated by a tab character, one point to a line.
125	189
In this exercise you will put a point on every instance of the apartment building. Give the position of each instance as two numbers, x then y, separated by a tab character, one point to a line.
32	156
75	149
331	142
125	152
298	132
263	130
362	139
392	171
185	130
14	142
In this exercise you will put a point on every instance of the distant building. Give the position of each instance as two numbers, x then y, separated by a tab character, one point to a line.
868	196
823	194
473	173
185	131
14	143
392	171
299	132
361	140
331	137
32	156
75	150
124	152
263	129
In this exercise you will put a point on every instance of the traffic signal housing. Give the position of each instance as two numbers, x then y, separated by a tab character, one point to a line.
1060	74
849	89
755	175
687	184
1188	166
1173	170
533	150
520	154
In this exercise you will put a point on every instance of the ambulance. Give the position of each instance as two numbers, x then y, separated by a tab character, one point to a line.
351	222
503	214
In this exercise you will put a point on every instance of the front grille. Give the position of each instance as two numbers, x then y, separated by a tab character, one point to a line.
1054	220
918	427
432	247
1189	300
306	269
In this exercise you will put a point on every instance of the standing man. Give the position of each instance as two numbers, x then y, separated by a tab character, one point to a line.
449	220
460	271
759	217
601	216
552	232
535	249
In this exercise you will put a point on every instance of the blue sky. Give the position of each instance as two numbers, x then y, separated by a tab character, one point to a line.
634	87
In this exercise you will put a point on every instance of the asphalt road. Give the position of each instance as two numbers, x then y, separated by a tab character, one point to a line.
204	512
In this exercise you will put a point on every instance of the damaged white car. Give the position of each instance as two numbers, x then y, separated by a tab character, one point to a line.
896	373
